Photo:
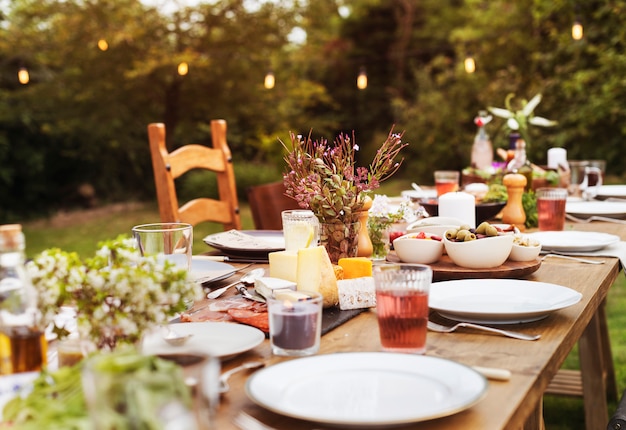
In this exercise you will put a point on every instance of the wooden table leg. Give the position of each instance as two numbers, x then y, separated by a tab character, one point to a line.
535	420
607	355
593	374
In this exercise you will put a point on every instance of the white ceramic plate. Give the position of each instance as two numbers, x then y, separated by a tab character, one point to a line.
573	241
607	191
209	271
499	301
436	220
219	339
366	389
247	242
417	195
585	209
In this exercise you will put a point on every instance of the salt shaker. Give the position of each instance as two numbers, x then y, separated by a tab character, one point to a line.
513	212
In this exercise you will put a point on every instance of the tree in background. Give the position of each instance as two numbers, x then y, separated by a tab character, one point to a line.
82	118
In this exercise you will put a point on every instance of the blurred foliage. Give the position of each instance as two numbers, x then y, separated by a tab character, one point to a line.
82	118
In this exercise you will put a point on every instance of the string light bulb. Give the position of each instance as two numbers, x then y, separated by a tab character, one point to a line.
183	68
103	45
23	76
577	30
470	64
361	80
270	80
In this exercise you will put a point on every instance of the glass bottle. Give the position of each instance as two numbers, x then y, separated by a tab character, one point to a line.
510	153
482	150
23	346
520	164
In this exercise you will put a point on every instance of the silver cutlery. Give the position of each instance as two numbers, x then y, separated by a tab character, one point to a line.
247	278
210	278
449	329
567	257
173	338
224	387
243	290
493	373
594	218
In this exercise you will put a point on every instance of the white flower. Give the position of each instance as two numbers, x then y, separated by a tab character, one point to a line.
117	294
519	120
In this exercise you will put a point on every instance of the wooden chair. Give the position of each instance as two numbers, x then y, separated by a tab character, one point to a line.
267	201
169	166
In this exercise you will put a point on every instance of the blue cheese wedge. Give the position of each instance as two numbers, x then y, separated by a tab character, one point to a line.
356	293
268	286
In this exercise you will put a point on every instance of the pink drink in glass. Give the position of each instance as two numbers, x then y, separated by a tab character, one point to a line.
551	208
402	318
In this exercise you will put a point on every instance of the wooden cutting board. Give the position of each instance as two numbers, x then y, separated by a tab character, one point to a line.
446	270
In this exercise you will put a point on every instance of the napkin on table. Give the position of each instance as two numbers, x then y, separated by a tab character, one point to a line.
617	249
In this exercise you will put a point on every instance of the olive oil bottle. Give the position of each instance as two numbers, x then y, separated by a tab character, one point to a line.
23	346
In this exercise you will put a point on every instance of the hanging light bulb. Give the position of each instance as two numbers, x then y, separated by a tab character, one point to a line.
183	69
103	45
470	64
270	80
577	30
361	80
23	76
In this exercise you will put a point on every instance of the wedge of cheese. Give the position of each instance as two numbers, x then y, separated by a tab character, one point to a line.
268	287
355	267
356	293
283	265
315	273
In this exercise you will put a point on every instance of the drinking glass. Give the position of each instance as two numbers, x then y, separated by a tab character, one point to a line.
295	319
168	241
596	178
446	181
586	178
402	306
551	208
131	391
301	229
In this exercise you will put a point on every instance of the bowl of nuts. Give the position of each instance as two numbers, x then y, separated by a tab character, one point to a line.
484	247
524	248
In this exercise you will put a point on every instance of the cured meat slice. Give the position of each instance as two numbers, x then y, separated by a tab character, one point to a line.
235	302
206	315
255	317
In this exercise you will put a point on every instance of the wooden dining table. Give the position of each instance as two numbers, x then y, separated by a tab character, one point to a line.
513	404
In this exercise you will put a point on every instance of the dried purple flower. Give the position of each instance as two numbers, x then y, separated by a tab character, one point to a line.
324	178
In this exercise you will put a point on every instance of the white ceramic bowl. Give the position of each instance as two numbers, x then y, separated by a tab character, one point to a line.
439	230
421	251
482	253
524	249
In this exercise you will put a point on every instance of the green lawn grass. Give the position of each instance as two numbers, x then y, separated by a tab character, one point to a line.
81	231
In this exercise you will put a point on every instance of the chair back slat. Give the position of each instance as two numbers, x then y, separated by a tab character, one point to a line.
168	166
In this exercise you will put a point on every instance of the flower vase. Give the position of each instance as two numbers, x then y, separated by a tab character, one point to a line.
378	230
340	239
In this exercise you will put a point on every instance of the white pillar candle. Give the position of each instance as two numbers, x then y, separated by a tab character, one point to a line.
557	157
458	205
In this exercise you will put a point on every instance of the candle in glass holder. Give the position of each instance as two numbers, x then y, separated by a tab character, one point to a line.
295	319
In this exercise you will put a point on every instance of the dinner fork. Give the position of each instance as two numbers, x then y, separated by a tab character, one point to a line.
567	257
449	329
594	218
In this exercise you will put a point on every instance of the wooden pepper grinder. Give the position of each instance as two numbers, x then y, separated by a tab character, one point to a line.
513	213
365	247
